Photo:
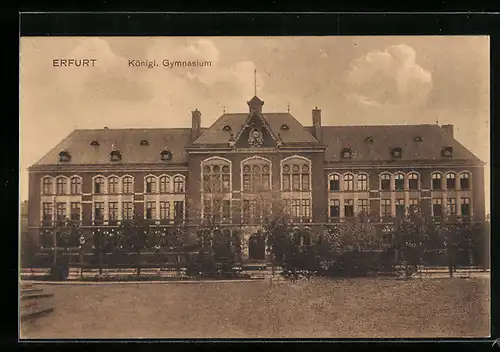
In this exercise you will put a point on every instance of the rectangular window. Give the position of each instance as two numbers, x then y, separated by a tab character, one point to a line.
246	210
164	184
305	182
413	182
99	211
306	208
178	210
400	208
385	183
98	186
464	181
150	210
286	182
128	212
47	211
207	209
113	211
436	207
296	208
226	209
164	210
335	208
127	185
61	186
246	183
225	183
349	207
413	203
61	211
296	182
399	183
452	206
386	207
465	206
436	181
151	186
450	181
75	211
363	206
76	185
348	183
362	183
113	186
334	184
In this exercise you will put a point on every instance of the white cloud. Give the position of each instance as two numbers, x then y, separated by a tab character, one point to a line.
389	77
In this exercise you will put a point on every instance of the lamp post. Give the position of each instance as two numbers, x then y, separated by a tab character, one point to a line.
82	242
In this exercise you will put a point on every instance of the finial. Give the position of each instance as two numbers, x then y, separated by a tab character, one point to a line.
224	109
255	82
288	107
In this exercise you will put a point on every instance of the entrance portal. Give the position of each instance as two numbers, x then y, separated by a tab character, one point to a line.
256	247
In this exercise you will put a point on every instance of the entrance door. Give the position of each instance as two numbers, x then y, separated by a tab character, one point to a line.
256	248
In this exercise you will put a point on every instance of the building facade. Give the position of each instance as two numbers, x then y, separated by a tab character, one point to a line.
244	163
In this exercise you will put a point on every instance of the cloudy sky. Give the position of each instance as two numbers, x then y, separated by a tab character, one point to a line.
354	80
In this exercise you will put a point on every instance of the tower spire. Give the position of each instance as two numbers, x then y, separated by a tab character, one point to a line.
255	82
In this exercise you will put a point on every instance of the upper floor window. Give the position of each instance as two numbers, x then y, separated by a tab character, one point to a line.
413	181
115	155
64	156
216	176
464	180
385	182
399	182
334	182
179	184
99	185
76	185
166	155
447	152
450	181
127	184
346	153
61	185
48	186
348	182
296	174
150	184
362	182
164	184
396	152
436	181
113	185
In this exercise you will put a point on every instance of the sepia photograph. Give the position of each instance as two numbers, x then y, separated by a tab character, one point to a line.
254	187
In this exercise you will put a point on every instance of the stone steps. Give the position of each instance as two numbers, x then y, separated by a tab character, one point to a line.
34	302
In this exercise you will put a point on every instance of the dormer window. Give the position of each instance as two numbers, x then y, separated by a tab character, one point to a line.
396	152
94	143
115	155
285	127
64	156
144	142
369	139
166	155
346	153
227	128
417	139
447	152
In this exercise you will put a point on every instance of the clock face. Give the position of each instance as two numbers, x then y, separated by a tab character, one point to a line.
255	134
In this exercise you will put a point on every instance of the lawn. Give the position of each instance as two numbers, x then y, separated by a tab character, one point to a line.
321	308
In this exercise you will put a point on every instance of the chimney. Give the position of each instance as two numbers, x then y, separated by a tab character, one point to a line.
196	124
448	129
316	117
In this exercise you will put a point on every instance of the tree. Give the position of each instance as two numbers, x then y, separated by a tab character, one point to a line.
135	237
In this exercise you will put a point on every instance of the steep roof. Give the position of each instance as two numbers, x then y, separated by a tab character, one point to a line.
128	142
296	133
387	137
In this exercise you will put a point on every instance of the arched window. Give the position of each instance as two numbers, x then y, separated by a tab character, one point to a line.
399	182
216	175
61	186
296	174
385	182
413	181
76	185
464	180
450	181
113	185
164	184
128	185
348	182
48	186
436	181
99	185
150	184
256	175
179	184
362	182
334	182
